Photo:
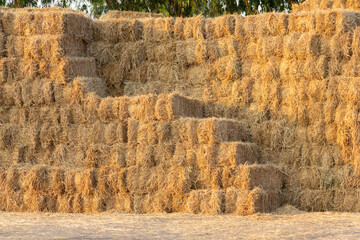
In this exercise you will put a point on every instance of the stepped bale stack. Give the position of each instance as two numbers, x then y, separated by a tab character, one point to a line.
143	113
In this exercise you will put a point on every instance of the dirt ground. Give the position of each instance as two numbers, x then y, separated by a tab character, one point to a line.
283	224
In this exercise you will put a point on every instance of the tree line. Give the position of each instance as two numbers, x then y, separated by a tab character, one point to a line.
176	8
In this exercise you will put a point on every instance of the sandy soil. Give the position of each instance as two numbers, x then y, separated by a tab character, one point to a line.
280	225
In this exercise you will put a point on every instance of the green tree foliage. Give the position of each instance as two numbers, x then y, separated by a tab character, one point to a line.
183	8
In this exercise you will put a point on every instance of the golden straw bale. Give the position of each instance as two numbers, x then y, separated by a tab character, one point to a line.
35	202
163	132
69	181
205	202
206	156
308	45
158	51
346	21
82	86
85	181
78	203
282	27
316	200
115	133
290	45
239	25
142	108
48	47
64	203
227	68
8	136
341	46
107	178
96	155
257	200
58	181
163	29
118	155
226	46
347	200
214	130
15	46
179	28
236	153
184	130
164	153
173	106
124	202
250	26
51	22
118	30
132	133
107	110
178	180
270	47
265	176
69	68
223	26
302	22
12	180
147	134
199	28
38	179
145	156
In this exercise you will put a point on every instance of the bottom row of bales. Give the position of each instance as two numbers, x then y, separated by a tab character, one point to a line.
243	191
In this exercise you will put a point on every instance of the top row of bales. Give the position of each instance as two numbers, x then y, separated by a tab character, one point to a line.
327	4
269	24
53	21
121	29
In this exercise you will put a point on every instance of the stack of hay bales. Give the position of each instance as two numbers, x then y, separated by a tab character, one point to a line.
292	77
46	44
44	67
143	154
161	55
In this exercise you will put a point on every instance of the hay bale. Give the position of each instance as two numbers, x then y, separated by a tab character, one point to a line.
38	179
316	200
227	68
118	155
118	30
163	29
70	68
206	156
249	202
220	130
23	23
158	51
58	181
270	47
267	177
96	155
85	182
346	200
145	156
234	154
116	133
173	106
205	202
142	108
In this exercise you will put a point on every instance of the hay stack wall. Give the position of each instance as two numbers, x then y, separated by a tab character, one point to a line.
78	135
293	77
67	146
